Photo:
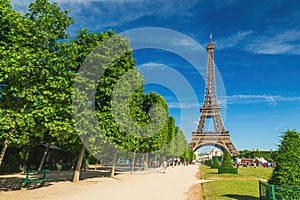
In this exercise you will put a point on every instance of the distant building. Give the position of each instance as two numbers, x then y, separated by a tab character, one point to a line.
200	157
216	152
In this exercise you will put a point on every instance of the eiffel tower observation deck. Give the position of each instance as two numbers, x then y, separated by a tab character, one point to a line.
218	137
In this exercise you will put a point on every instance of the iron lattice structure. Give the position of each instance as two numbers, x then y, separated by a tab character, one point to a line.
210	109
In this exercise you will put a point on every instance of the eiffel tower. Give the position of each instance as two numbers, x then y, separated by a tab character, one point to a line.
210	109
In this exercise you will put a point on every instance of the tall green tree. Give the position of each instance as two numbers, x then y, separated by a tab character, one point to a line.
287	170
36	77
226	162
181	144
53	113
82	47
18	64
171	136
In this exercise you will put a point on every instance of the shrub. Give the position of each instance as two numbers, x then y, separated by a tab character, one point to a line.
287	170
224	170
227	163
285	179
208	162
215	164
227	166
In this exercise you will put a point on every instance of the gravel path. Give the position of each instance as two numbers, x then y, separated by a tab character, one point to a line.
174	184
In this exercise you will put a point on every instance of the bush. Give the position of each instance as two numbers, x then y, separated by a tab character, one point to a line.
208	162
227	163
225	170
227	166
215	164
287	170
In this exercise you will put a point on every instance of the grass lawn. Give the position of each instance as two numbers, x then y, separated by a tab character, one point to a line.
231	189
233	186
261	172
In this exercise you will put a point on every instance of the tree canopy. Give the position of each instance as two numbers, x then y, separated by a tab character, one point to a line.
287	169
42	85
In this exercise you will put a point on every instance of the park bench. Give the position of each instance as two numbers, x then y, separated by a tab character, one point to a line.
34	176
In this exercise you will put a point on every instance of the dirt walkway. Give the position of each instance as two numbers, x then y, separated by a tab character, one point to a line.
174	184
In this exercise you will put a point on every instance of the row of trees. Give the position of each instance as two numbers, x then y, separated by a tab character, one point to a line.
268	155
40	76
227	164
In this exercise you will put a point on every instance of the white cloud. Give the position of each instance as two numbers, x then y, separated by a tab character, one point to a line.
23	5
152	65
232	40
286	42
182	105
191	44
101	14
251	99
248	99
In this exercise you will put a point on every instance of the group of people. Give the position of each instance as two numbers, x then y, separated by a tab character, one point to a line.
165	164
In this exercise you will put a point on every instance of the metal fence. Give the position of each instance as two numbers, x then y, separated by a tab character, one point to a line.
276	192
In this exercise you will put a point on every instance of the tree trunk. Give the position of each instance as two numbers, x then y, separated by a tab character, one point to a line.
44	156
5	146
113	167
133	161
174	144
78	165
146	160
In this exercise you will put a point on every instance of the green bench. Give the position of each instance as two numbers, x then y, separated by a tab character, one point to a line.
34	176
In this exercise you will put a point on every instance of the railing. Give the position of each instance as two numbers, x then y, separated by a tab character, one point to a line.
269	191
225	133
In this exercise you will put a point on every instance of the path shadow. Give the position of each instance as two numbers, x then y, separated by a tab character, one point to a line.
241	197
10	184
13	182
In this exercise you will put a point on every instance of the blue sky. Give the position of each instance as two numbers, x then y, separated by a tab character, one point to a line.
257	54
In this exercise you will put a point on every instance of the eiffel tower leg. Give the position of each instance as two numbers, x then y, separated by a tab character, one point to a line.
201	123
219	126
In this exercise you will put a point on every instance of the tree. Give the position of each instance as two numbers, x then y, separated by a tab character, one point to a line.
180	143
287	170
227	163
268	155
215	164
123	110
171	134
227	166
208	162
53	113
35	78
91	137
17	85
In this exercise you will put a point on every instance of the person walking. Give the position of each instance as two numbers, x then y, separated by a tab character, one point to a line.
164	166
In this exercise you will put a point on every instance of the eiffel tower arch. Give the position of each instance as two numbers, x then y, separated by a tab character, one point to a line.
219	137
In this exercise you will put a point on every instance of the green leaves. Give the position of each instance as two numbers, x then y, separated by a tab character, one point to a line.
215	164
35	78
38	69
287	170
227	163
51	21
